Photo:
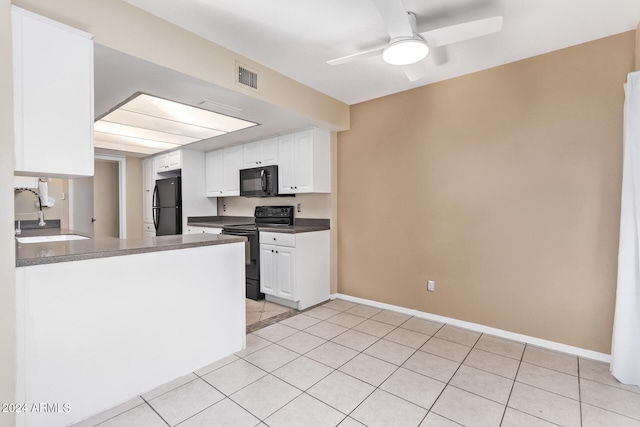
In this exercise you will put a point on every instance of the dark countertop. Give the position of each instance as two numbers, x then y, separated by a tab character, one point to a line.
28	254
301	225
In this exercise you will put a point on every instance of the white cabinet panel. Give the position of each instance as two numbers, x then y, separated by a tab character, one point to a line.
294	268
304	162
53	97
285	265
169	162
199	230
214	173
286	164
232	166
223	171
260	153
268	270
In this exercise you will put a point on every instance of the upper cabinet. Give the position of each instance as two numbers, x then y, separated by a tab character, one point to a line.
261	153
304	162
169	162
53	97
223	171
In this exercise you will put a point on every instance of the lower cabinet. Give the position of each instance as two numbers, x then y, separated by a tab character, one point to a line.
294	268
148	230
278	265
197	230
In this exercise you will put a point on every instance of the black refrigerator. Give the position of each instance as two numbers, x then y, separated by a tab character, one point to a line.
167	207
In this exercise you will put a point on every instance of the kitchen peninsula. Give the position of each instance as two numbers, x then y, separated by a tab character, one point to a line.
100	321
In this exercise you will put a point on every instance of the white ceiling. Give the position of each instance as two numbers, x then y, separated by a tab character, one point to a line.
296	38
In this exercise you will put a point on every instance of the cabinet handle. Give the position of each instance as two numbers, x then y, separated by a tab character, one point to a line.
274	238
272	250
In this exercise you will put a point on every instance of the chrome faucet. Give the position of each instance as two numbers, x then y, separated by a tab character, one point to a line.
18	229
41	222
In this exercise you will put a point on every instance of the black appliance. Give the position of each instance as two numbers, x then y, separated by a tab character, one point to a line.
265	216
259	182
167	206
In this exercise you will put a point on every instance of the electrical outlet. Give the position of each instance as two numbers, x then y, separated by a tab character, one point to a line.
431	285
299	206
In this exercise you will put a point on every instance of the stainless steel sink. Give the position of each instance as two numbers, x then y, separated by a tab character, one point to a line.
52	238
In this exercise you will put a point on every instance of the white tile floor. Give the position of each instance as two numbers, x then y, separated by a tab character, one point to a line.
352	365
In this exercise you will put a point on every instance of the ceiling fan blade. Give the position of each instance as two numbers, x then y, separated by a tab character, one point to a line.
460	32
395	18
439	55
356	56
415	71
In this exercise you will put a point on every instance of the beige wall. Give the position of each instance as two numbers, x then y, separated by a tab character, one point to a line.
7	244
106	204
502	186
134	198
26	209
313	205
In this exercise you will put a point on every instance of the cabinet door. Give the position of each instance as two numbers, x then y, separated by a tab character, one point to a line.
286	164
286	272
303	160
174	160
162	163
53	97
148	183
251	155
268	152
214	161
268	269
232	166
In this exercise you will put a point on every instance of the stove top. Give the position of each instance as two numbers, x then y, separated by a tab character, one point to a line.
267	216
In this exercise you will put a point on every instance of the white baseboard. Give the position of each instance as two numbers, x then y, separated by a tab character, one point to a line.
551	345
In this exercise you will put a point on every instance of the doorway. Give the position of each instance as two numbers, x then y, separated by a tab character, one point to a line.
106	195
96	204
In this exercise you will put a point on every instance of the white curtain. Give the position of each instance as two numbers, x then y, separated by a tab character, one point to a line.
625	347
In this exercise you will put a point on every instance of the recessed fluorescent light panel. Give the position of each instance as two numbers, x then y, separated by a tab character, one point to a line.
147	125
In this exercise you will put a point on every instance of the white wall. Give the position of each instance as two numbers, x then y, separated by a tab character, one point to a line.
7	245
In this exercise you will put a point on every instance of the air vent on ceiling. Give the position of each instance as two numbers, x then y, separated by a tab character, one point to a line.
246	77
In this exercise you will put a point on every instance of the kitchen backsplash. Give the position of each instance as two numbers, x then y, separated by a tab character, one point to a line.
312	205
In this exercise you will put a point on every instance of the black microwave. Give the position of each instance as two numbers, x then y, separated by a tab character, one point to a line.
259	182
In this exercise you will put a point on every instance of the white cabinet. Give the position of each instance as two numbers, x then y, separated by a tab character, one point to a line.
148	230
53	97
148	184
304	162
194	194
223	172
214	173
232	166
206	230
169	162
260	153
294	268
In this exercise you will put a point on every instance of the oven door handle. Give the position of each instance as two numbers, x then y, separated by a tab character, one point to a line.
263	181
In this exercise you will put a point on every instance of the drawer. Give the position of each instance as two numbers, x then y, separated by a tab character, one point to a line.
279	239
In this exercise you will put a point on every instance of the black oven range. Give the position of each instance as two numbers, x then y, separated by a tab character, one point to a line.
264	216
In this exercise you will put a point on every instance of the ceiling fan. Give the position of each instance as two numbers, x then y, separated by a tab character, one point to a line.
407	48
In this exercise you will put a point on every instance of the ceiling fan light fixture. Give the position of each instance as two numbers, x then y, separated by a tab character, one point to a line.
405	51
